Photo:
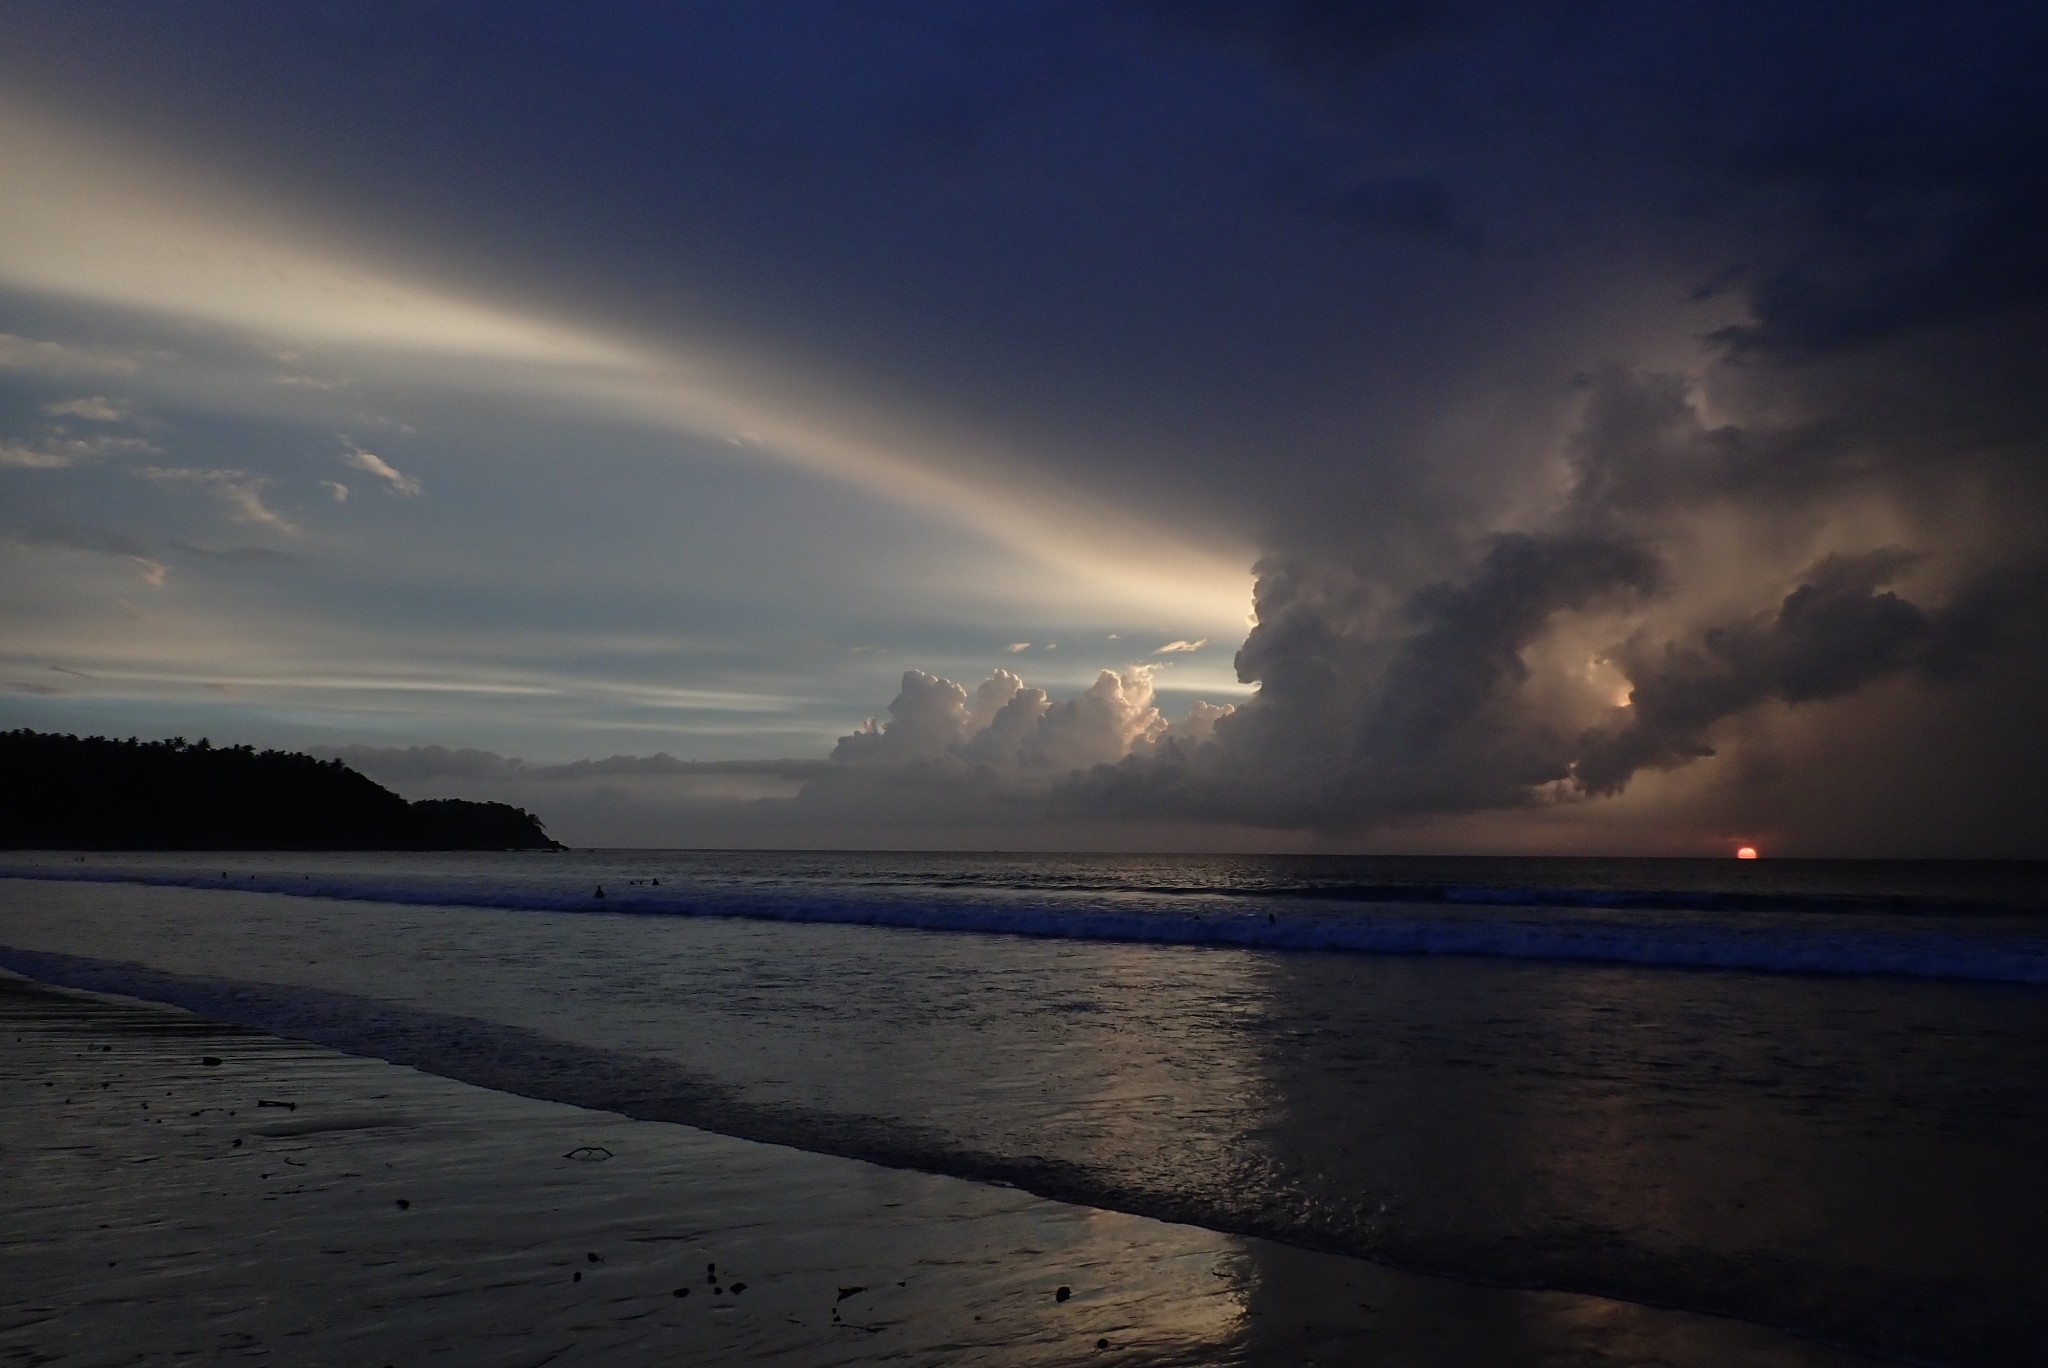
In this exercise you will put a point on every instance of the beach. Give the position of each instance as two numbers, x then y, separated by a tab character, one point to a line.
1238	1135
184	1190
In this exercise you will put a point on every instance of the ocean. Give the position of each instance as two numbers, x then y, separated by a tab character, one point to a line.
1811	1095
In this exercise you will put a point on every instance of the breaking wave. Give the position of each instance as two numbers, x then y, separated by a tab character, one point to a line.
1678	930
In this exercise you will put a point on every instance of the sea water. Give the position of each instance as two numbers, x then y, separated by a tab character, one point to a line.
1810	1095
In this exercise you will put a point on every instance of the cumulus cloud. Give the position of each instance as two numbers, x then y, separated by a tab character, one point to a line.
370	463
337	489
1011	735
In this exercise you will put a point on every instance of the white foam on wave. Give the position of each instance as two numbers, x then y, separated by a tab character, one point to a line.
1275	923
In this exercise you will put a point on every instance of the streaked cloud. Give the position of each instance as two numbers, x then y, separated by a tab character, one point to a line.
415	764
60	452
16	457
37	356
98	220
240	491
95	408
334	683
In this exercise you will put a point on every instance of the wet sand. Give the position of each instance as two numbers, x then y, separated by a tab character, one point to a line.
291	1204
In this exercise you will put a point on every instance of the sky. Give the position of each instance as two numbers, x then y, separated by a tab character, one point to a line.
1550	427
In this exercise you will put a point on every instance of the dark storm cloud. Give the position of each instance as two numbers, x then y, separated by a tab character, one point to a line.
1837	632
1895	316
1402	206
1358	717
1920	215
1327	36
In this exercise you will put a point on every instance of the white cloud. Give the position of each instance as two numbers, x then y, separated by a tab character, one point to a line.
238	489
1018	647
990	699
96	541
370	463
1200	723
95	408
1178	647
29	458
337	489
1016	731
30	354
59	452
1112	718
115	446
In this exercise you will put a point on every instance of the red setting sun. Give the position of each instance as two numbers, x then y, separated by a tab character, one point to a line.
1746	853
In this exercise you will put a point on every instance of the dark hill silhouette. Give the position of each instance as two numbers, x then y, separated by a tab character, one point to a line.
92	793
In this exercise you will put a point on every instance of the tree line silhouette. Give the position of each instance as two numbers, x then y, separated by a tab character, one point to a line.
92	793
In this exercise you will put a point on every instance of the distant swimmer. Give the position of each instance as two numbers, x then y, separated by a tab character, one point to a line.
600	890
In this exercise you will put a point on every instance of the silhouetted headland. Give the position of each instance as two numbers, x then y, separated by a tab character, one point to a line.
92	793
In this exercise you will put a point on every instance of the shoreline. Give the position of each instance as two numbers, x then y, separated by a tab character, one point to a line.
295	1203
1451	930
